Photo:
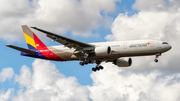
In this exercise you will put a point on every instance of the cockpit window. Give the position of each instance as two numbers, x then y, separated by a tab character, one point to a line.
164	43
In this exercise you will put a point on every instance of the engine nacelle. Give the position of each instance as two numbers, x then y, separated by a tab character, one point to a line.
123	62
102	51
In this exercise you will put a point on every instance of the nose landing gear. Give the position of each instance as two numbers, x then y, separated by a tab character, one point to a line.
157	55
155	60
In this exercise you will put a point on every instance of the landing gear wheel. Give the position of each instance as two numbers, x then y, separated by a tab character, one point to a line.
89	61
97	68
94	69
81	63
85	62
157	55
155	60
101	67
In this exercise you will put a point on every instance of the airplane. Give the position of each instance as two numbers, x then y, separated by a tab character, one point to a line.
117	52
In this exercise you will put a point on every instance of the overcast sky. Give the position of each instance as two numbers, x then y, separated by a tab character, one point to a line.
29	79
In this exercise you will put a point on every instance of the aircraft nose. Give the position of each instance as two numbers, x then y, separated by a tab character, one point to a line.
169	47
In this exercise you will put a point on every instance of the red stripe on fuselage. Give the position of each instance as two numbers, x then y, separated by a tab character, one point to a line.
45	51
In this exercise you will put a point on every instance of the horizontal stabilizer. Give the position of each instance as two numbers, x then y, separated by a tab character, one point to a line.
21	49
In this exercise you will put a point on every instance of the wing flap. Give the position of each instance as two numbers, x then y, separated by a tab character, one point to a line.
21	49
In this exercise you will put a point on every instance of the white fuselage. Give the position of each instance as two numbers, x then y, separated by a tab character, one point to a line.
125	49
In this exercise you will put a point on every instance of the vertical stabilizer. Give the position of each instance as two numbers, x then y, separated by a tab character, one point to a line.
33	42
36	45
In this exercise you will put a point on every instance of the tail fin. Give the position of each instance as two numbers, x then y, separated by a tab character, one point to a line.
33	42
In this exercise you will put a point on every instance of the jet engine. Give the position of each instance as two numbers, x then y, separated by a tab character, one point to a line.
102	51
123	62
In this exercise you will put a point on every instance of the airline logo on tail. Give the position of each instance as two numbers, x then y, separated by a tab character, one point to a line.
35	44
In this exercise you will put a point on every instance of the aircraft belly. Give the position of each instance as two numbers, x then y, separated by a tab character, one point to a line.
67	56
115	56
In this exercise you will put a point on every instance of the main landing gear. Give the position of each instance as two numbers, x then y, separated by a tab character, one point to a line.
98	66
157	55
84	62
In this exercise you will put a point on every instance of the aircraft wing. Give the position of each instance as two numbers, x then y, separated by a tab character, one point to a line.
67	42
